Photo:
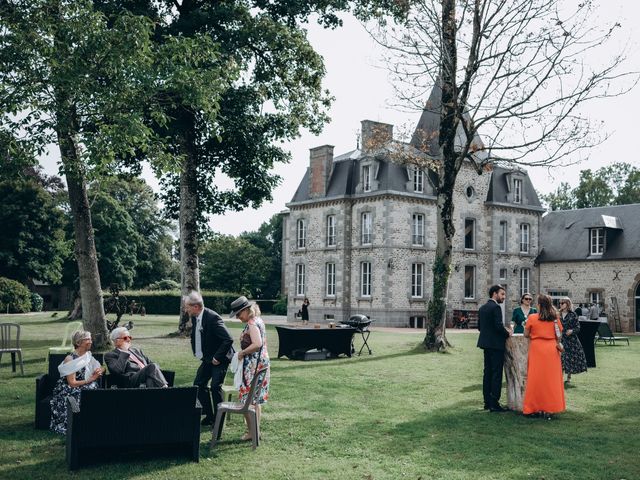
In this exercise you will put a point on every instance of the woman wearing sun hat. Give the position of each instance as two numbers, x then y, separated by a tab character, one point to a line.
253	352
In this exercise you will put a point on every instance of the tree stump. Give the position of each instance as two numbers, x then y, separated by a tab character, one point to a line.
515	369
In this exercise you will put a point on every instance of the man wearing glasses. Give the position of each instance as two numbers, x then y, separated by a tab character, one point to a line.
130	366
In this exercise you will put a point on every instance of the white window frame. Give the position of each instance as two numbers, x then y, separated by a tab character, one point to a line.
524	238
330	279
366	227
417	280
472	234
331	230
472	269
517	190
366	178
301	233
503	236
365	279
596	241
418	180
525	281
417	229
501	271
300	279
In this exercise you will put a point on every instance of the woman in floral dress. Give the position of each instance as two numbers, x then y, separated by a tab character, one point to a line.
573	359
253	354
78	371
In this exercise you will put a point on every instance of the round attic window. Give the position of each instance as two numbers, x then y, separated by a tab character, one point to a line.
470	192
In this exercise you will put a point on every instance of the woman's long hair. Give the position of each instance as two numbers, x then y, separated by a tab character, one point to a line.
548	312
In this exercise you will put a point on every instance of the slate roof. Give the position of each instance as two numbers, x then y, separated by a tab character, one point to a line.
498	189
564	234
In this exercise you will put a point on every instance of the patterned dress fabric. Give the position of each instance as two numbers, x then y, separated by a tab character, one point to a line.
61	391
573	359
249	363
544	391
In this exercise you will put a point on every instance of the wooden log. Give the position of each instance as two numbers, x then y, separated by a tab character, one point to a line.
515	369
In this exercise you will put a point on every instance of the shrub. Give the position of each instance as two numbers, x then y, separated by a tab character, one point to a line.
280	307
37	302
166	284
14	297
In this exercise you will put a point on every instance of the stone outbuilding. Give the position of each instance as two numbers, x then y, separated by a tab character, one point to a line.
592	255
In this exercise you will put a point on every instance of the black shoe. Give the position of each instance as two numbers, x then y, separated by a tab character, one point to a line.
498	409
207	421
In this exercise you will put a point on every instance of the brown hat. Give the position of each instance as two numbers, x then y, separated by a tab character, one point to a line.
238	305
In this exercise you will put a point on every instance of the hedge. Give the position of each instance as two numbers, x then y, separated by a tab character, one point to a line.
167	302
37	302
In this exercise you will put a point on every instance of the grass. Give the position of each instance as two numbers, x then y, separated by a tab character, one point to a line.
400	413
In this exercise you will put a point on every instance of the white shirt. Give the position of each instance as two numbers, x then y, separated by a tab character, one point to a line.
198	327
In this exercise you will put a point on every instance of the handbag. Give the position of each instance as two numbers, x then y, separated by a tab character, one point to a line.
559	345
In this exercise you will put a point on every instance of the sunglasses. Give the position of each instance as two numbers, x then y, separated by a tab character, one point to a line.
528	299
127	337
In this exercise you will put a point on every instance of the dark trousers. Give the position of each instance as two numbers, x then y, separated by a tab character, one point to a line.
492	377
150	376
216	373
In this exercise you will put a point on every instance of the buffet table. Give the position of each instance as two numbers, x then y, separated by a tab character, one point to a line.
300	339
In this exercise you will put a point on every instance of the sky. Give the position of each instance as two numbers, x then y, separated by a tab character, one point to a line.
360	84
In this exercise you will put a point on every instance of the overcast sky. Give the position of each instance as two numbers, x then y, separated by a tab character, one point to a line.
356	78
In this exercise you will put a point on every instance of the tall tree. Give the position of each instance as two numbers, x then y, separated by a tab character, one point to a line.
71	76
562	199
276	91
268	238
514	71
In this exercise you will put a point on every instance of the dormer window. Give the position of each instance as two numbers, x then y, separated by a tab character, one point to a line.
596	241
418	180
366	178
517	190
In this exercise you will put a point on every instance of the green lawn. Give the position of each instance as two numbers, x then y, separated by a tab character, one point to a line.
400	413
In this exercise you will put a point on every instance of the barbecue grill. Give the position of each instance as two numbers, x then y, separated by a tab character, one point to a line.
361	324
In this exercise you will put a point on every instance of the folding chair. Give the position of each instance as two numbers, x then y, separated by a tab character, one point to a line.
10	343
248	406
69	330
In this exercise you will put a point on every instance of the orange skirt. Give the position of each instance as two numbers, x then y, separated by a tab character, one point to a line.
544	391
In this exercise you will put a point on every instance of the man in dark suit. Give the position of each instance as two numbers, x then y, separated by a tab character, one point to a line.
492	337
212	344
129	365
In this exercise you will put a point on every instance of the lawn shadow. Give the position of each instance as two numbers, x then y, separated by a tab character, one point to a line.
301	364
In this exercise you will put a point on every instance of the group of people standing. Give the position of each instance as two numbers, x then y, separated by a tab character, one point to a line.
553	347
211	343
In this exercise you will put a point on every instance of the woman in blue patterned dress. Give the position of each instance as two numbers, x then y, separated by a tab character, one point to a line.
253	354
78	371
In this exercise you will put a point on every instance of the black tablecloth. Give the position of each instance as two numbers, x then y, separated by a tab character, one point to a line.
587	335
336	340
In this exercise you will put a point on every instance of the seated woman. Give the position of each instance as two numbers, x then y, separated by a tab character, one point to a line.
78	371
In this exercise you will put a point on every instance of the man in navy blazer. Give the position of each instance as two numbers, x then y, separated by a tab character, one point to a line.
492	338
212	344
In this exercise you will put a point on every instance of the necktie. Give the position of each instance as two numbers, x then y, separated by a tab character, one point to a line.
135	359
197	325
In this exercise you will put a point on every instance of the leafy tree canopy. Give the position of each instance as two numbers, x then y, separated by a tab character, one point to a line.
32	243
615	184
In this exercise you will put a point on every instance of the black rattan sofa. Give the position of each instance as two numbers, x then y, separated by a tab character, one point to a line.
116	424
47	381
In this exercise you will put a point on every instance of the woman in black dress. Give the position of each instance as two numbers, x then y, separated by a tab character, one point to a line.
305	311
573	359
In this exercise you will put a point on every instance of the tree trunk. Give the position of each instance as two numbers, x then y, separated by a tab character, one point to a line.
515	369
190	271
85	248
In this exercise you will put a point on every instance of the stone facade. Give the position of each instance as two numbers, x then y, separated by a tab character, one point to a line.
389	254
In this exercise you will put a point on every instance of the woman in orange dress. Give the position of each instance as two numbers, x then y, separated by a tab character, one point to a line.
544	393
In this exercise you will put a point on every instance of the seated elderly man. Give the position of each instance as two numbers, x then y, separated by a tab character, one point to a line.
131	367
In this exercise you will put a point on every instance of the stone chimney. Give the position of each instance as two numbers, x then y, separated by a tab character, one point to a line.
320	163
375	135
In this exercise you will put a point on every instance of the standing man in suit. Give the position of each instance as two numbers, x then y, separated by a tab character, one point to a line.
212	344
130	366
492	337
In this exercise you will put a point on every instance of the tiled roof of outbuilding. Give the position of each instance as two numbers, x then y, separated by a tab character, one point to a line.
564	234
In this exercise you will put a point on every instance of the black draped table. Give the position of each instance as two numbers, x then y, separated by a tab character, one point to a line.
587	335
336	340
